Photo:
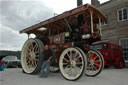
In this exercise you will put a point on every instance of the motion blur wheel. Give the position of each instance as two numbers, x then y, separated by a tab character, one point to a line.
31	56
72	63
95	63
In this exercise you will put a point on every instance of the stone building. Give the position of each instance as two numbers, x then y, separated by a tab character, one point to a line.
115	29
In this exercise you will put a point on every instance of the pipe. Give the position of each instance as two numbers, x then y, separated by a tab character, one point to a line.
79	3
28	36
80	19
100	26
92	22
68	25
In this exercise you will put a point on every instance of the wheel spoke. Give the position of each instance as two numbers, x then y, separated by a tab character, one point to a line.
69	70
97	64
79	63
95	58
75	54
68	55
34	62
67	66
35	48
91	68
71	54
94	68
77	58
32	49
75	69
66	60
65	63
91	54
31	46
89	57
97	61
28	62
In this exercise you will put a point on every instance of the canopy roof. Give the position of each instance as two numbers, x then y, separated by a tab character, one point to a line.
58	23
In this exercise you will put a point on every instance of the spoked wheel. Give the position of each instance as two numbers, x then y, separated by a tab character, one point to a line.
95	63
31	56
120	64
72	63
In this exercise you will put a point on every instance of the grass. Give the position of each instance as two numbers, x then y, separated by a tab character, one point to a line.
126	65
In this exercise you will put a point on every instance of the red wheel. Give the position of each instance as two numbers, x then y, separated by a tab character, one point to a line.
72	63
95	63
120	64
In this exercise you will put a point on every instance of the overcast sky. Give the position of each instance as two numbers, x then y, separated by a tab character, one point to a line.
16	15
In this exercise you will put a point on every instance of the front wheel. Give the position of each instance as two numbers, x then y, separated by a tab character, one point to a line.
72	63
95	63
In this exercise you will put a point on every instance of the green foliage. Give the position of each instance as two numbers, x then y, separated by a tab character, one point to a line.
7	53
126	65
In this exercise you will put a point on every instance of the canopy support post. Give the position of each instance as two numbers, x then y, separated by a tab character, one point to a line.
100	26
49	32
28	36
92	22
68	24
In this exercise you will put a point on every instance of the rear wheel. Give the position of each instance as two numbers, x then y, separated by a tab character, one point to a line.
95	63
72	63
31	56
120	64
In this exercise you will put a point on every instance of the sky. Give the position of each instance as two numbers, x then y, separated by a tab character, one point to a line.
16	15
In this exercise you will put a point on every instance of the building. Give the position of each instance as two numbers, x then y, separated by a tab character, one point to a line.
115	29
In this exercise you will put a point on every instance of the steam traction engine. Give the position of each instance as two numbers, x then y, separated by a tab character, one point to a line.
69	34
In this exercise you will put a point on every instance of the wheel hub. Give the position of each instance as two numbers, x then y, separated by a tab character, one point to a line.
32	55
92	62
73	63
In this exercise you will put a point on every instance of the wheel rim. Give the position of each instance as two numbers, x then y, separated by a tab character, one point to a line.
95	63
30	56
71	63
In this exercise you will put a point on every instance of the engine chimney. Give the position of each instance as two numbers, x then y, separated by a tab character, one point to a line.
79	3
80	17
95	2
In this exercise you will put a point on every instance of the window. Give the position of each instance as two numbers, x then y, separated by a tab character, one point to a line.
95	47
123	14
124	45
105	22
